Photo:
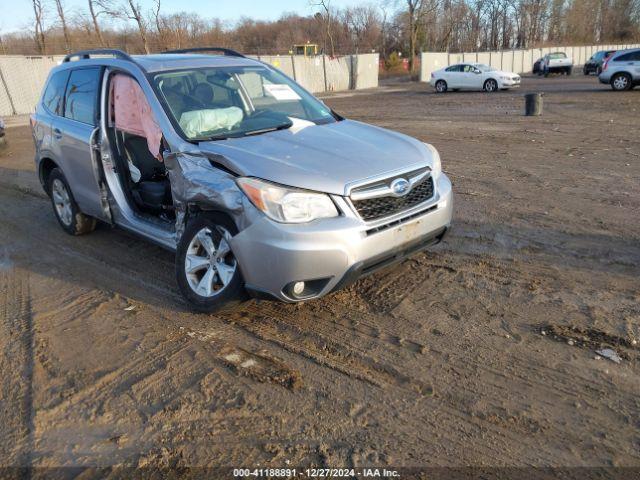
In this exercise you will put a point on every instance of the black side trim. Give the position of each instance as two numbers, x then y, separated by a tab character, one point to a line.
259	294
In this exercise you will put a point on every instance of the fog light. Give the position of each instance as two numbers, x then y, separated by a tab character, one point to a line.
298	288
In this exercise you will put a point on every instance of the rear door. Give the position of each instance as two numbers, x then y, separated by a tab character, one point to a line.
75	134
51	106
452	76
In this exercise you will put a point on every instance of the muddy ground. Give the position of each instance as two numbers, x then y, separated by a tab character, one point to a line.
440	361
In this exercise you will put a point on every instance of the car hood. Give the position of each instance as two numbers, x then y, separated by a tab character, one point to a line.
324	158
503	73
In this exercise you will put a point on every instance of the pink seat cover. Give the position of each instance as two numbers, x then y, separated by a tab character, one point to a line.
132	112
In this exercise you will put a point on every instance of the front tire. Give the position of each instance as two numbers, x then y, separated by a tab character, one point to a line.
491	86
207	272
441	86
621	82
67	212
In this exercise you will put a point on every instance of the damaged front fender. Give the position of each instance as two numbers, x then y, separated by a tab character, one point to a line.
196	182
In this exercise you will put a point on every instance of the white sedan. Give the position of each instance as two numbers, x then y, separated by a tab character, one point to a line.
473	76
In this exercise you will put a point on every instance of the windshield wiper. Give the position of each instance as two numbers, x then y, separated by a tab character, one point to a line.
258	131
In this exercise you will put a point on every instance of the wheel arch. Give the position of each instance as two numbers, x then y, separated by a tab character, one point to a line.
45	167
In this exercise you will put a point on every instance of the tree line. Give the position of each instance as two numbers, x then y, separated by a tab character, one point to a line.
400	26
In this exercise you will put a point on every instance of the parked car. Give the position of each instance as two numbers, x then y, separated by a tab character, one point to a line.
2	139
537	67
622	70
258	187
473	76
556	62
594	64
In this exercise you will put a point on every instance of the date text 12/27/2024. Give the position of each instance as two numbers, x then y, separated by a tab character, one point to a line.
315	473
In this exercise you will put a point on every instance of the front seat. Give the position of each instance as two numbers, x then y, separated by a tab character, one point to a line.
153	190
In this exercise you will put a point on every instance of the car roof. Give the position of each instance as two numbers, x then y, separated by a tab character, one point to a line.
160	62
623	52
173	61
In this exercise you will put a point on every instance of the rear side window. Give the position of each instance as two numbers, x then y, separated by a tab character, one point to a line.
82	95
53	97
628	57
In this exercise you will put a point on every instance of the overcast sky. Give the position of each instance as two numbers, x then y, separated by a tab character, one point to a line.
19	15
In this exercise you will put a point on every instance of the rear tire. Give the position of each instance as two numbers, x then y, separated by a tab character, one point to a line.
441	86
210	278
67	212
621	82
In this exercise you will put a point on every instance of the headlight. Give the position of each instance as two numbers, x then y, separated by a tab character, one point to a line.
436	167
287	205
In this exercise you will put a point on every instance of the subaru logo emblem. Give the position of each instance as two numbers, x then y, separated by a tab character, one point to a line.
400	187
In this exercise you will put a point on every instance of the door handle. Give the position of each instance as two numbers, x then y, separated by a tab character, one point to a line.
57	133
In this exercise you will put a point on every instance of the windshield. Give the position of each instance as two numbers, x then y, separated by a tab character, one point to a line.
223	102
486	68
557	56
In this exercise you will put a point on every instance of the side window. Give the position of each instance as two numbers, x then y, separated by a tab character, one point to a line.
627	57
455	68
635	56
82	95
54	93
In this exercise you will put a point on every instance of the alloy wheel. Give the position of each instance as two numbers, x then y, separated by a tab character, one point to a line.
62	201
209	262
621	82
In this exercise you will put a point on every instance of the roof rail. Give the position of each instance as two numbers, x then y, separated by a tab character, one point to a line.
225	51
86	54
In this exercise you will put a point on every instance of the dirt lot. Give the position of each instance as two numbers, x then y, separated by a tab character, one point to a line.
440	361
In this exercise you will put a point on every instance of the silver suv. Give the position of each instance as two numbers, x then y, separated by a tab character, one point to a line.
622	70
257	186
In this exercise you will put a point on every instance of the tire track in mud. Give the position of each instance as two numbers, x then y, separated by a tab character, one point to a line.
83	258
317	341
16	369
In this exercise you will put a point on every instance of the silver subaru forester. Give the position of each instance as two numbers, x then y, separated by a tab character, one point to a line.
258	187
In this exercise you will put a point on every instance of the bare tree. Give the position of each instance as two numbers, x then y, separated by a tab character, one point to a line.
96	8
416	11
327	19
63	23
38	10
158	20
132	10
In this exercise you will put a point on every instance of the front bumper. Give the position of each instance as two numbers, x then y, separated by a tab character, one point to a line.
510	83
332	253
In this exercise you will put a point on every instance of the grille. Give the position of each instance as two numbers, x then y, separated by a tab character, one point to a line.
376	208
